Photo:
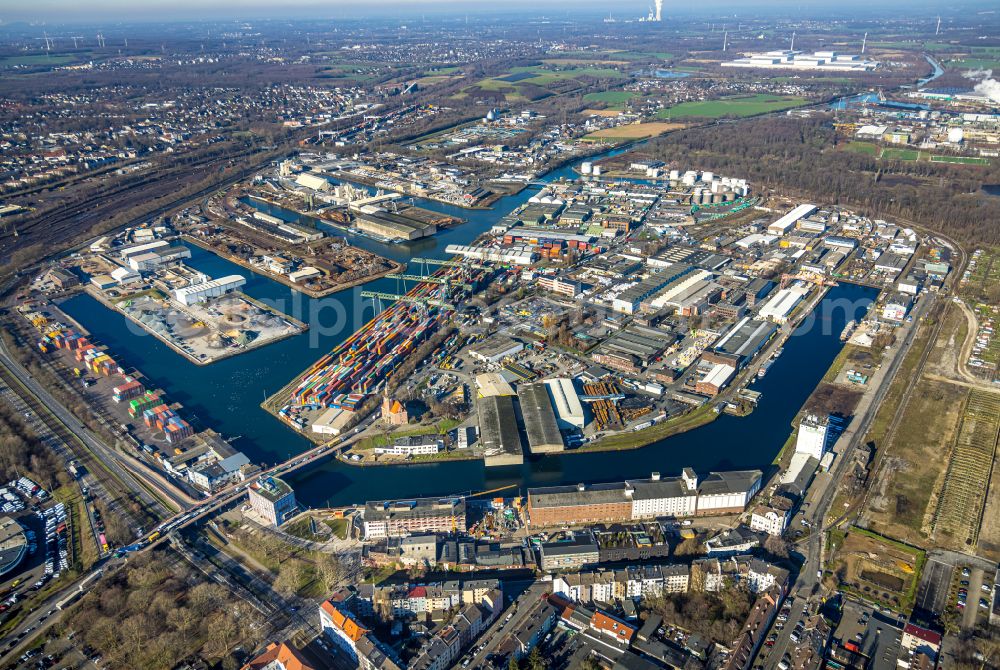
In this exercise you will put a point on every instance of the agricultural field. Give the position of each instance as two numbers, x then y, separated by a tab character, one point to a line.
35	60
962	501
634	131
738	107
876	568
614	99
536	81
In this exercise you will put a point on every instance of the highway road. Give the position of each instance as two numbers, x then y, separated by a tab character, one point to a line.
128	470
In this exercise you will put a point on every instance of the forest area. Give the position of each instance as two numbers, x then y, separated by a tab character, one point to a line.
795	156
153	611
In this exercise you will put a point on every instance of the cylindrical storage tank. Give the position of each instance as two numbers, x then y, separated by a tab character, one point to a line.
675	175
689	178
707	176
716	186
586	167
596	171
706	197
956	135
717	198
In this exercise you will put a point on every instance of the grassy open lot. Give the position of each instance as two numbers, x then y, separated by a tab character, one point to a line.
862	148
634	131
738	107
902	501
877	568
612	98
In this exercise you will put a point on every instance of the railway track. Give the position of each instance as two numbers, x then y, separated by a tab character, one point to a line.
57	437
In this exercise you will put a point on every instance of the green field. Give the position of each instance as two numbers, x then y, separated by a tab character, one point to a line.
616	99
975	63
862	148
641	55
542	78
960	160
34	59
901	154
744	106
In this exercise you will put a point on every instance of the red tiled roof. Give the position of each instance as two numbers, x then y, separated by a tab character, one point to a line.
349	626
287	655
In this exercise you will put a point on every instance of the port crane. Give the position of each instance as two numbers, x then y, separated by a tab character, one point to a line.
429	279
424	262
379	295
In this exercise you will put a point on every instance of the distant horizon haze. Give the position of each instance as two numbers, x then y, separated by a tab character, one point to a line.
73	11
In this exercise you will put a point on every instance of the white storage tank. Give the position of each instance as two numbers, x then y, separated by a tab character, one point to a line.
596	171
956	135
707	177
586	167
675	175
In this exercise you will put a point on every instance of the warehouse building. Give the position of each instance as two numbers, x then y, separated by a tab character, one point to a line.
715	379
313	181
213	288
539	419
568	408
392	225
495	349
498	432
640	342
150	260
400	518
700	258
758	289
780	307
629	300
683	496
788	221
745	339
128	252
520	255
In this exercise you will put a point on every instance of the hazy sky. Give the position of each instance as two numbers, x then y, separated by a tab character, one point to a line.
137	10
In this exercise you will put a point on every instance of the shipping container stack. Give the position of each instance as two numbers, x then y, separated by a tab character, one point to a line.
139	405
131	389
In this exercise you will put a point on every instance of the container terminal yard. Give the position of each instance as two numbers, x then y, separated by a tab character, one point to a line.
610	294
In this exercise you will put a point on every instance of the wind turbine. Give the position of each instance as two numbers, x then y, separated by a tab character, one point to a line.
937	31
725	40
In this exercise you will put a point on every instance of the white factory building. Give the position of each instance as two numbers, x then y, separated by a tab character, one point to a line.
566	402
779	307
788	221
313	181
212	288
813	436
150	260
832	61
518	255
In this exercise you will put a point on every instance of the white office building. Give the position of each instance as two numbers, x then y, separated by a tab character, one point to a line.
813	436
